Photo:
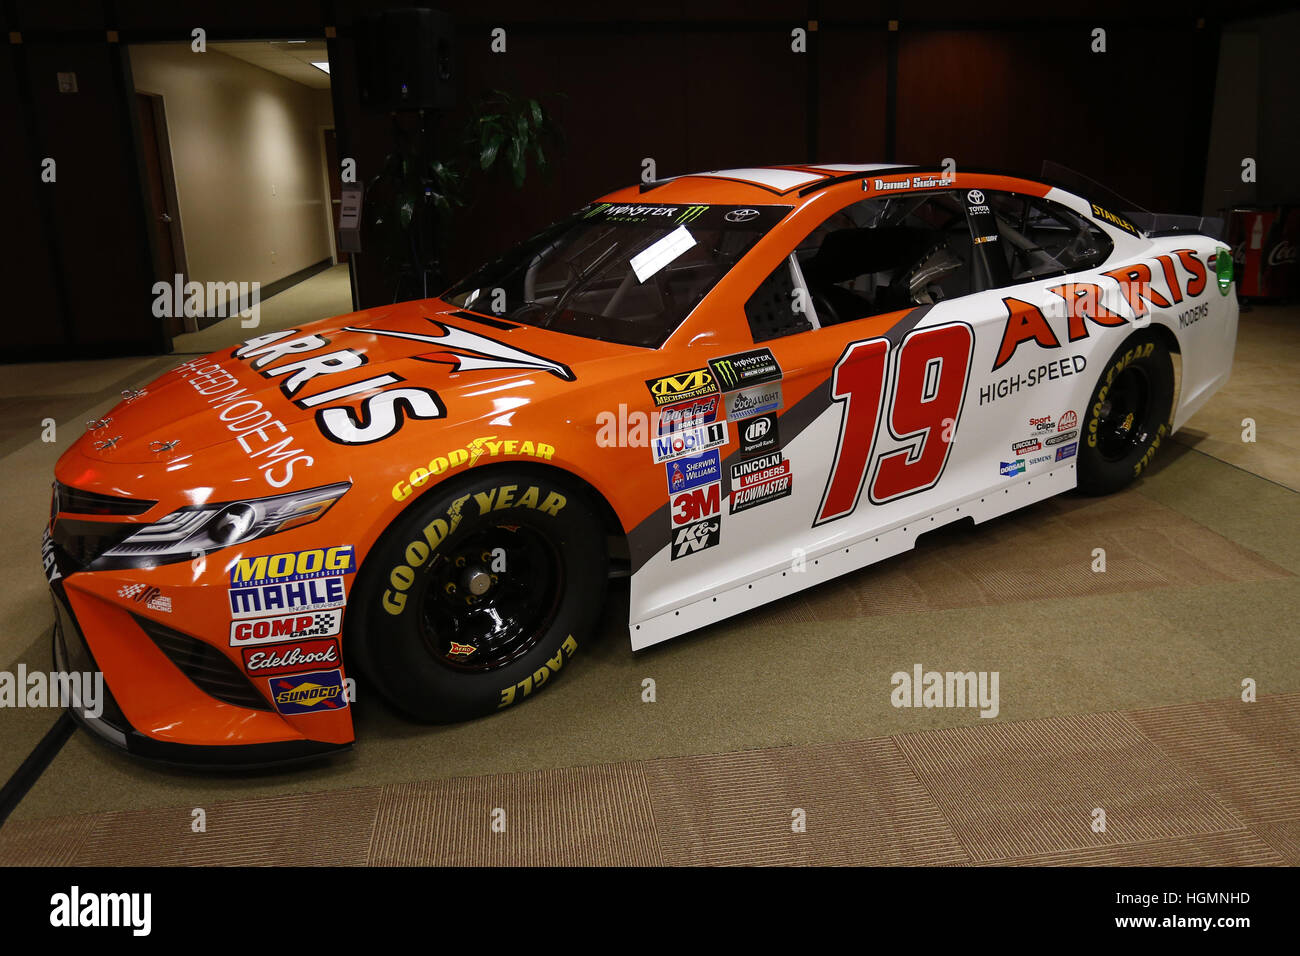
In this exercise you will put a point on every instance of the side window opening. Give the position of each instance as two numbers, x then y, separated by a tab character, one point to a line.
878	255
1042	239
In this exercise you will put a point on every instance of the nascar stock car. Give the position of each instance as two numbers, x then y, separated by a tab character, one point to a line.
726	386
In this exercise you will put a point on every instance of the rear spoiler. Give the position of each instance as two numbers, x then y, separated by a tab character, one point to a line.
1151	224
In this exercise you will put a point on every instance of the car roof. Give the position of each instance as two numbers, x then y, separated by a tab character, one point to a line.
797	184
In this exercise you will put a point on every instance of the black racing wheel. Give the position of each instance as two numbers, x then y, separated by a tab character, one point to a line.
1129	414
479	595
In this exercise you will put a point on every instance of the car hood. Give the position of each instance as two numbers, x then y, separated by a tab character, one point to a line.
464	357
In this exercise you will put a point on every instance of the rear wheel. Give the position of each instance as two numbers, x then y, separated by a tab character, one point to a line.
1128	416
479	595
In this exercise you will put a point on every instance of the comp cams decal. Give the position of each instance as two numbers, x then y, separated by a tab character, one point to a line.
419	551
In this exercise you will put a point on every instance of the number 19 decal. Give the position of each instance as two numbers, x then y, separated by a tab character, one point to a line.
923	401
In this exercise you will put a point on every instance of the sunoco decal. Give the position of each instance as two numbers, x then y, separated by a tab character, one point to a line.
310	693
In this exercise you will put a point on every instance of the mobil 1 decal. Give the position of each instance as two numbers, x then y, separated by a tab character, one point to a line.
898	418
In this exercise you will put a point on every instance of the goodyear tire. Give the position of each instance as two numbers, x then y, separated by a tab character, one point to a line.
1128	416
479	595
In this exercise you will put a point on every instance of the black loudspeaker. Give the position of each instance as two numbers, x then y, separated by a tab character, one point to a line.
405	61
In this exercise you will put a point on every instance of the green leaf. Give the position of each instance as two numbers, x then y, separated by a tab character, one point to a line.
536	109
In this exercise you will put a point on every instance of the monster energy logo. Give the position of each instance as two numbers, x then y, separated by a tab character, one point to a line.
690	214
596	209
727	372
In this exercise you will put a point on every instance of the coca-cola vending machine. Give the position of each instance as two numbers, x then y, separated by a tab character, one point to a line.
1264	242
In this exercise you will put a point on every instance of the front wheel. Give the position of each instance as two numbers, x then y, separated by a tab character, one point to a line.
479	595
1128	416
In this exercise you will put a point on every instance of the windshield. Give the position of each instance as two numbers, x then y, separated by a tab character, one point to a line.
628	274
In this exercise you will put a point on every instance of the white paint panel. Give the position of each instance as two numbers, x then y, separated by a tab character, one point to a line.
780	179
649	261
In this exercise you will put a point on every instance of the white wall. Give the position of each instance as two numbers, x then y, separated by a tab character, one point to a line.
246	152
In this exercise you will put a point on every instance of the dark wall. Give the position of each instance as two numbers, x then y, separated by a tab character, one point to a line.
691	86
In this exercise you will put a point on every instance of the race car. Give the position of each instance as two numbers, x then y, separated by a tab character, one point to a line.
725	387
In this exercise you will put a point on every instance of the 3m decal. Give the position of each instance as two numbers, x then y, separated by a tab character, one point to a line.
292	659
928	391
694	538
540	676
686	473
469	456
285	627
689	442
696	504
312	693
682	387
745	368
753	400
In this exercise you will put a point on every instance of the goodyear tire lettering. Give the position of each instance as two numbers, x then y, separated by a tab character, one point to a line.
539	677
418	552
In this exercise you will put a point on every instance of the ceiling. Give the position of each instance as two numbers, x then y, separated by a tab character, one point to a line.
291	60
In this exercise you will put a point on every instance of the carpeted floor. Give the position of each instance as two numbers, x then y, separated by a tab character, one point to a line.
1113	688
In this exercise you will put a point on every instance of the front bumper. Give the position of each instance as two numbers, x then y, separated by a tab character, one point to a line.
168	743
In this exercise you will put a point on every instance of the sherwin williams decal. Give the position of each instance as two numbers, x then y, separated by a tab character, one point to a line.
290	659
753	400
745	368
687	473
311	693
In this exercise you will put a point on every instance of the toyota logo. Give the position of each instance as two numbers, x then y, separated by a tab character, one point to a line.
741	215
975	197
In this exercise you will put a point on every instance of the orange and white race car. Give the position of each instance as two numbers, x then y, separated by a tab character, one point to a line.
727	386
